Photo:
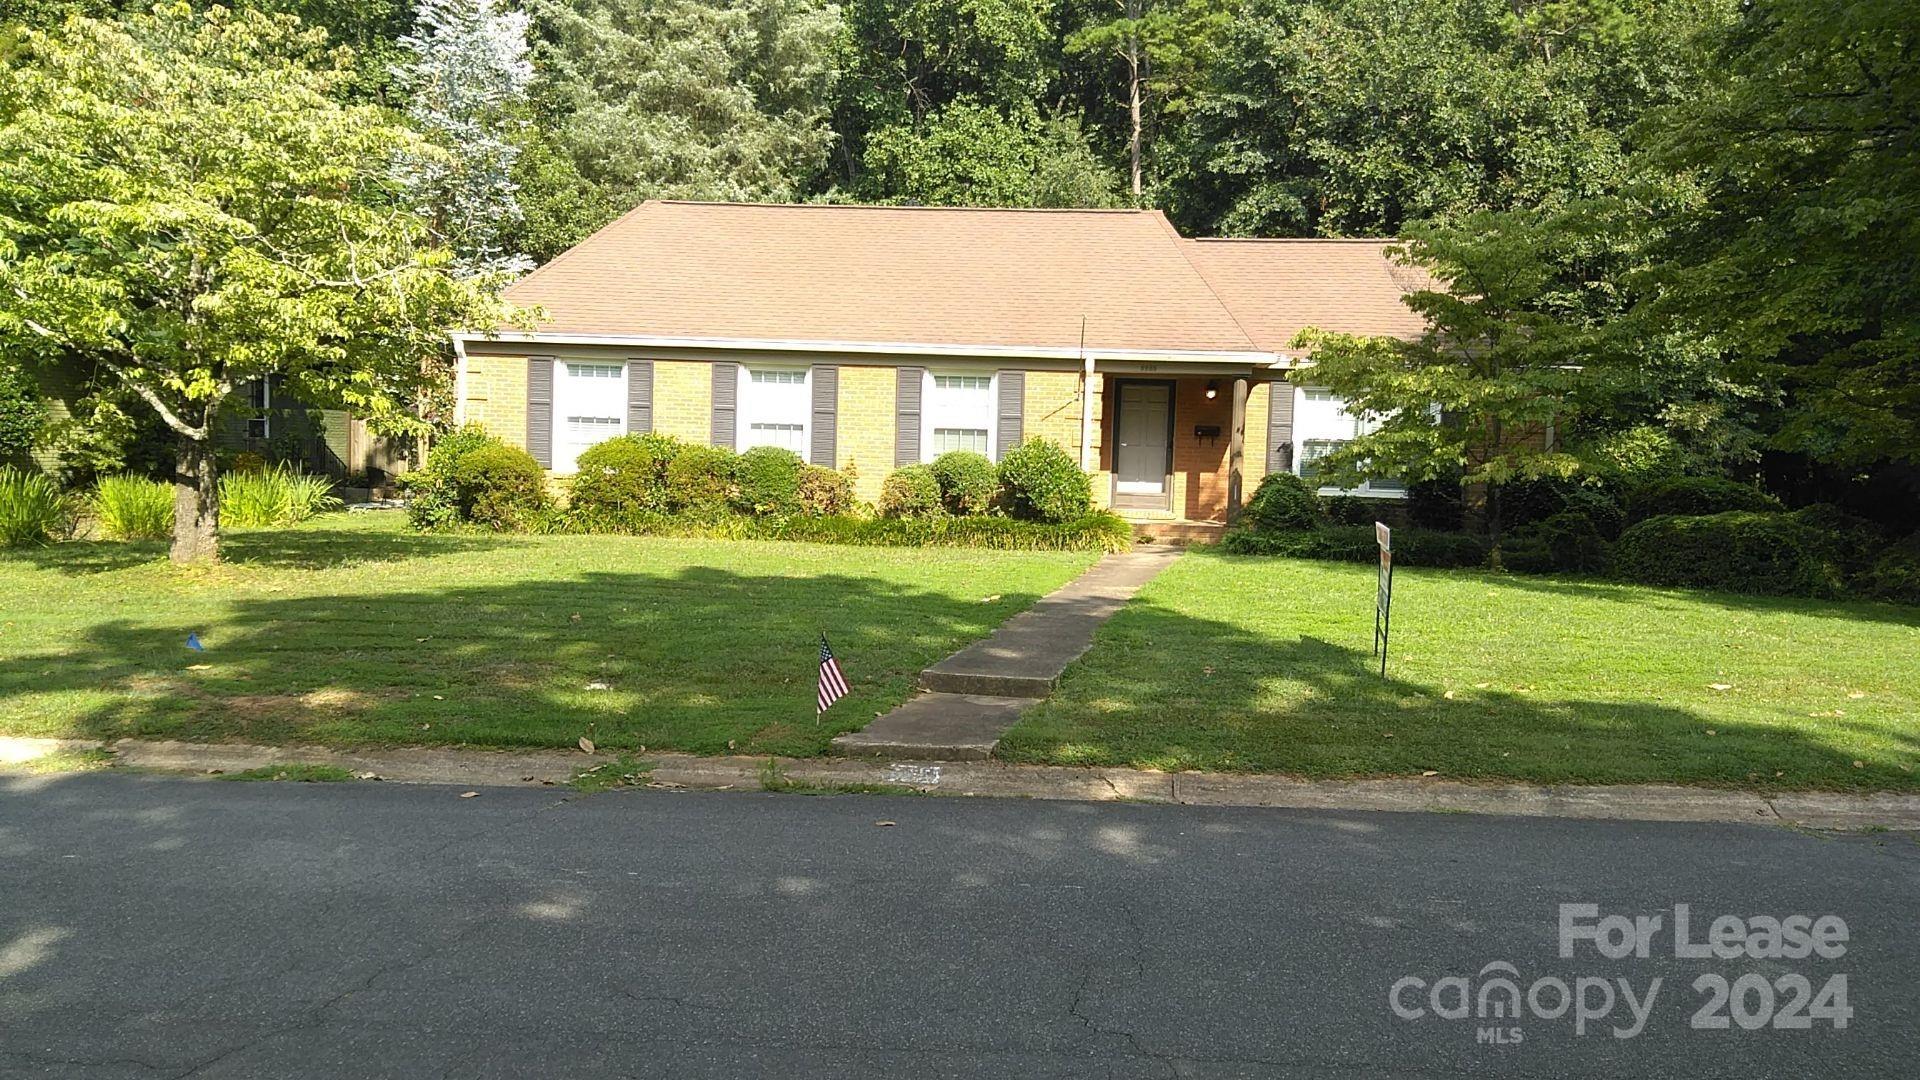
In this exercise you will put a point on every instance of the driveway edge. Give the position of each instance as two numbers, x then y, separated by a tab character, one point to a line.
519	768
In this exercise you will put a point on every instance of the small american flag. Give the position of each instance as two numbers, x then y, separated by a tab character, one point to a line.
833	685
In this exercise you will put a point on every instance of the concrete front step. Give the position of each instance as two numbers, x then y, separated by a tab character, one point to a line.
937	727
1027	654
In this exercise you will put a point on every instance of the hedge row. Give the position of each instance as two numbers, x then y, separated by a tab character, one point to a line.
1092	532
1356	543
1036	481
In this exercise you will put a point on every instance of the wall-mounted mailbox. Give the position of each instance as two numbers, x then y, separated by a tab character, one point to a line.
1206	431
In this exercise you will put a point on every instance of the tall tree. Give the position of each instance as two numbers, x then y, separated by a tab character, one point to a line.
184	201
1797	254
466	87
1162	48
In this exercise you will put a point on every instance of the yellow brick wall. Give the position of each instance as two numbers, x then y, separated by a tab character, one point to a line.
863	437
497	396
1051	410
683	399
1259	399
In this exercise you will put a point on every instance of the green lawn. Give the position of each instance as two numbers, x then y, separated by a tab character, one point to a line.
351	630
1263	664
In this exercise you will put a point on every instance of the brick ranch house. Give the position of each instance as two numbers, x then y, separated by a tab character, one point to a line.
871	337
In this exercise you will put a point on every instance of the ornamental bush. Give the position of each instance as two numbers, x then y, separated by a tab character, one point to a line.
625	475
1566	542
32	510
911	491
968	482
499	487
1697	496
1283	501
767	481
702	480
1356	543
1040	481
1739	551
1895	575
434	500
825	491
1528	502
130	507
21	411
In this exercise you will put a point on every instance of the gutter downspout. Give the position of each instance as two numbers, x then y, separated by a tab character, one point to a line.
1086	402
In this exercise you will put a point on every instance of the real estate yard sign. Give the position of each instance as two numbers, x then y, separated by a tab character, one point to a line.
1383	597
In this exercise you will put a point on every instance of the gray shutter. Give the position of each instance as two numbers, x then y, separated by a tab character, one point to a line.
639	396
726	395
1013	395
540	409
1279	427
906	414
826	413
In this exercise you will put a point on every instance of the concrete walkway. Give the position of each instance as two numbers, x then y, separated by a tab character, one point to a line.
521	768
971	698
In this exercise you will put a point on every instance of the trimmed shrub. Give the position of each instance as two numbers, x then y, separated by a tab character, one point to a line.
702	480
825	491
911	491
499	487
1895	575
768	481
1040	481
1284	501
1356	543
32	510
1854	541
968	481
625	475
1351	509
1739	551
133	507
1437	504
1095	532
275	496
433	502
1567	542
1697	496
1529	501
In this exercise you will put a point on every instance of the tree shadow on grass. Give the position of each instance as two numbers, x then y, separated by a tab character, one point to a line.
1651	596
699	659
1167	690
313	546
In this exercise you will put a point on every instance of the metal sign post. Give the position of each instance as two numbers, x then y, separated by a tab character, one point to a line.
1383	596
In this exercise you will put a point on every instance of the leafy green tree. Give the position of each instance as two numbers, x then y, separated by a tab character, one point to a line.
21	410
705	99
1796	254
184	202
970	154
1161	50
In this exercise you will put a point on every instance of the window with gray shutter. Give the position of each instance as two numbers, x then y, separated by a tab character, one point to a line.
540	409
1013	395
639	397
826	414
906	414
1279	427
726	396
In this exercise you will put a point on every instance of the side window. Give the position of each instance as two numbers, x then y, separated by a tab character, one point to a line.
260	399
589	406
957	415
775	407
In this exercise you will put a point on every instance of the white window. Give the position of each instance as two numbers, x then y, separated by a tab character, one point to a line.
589	406
774	408
260	399
1321	425
956	414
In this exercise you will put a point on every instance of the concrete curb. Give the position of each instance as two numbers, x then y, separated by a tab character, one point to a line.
519	768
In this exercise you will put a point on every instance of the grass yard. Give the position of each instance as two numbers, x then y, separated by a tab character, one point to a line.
352	631
1263	664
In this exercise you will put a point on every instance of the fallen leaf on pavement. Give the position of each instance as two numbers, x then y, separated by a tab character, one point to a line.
586	744
1431	772
886	824
469	794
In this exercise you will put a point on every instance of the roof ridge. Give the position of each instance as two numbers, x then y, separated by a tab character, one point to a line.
1295	240
914	206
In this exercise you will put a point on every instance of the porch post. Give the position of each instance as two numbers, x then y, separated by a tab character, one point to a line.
1237	451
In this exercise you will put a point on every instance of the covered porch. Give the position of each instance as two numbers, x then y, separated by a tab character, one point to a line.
1177	452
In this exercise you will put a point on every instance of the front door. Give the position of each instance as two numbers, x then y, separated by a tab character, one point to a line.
1143	456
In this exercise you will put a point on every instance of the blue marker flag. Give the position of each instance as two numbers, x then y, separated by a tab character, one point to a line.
193	642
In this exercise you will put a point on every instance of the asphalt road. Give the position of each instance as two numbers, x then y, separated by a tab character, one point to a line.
157	927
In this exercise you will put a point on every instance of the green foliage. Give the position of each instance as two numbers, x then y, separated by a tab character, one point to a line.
1040	481
768	479
625	475
277	495
702	480
1284	501
499	487
1532	501
910	491
970	154
1694	496
1356	543
130	507
1437	503
1569	542
21	410
1094	532
1739	551
32	510
968	482
825	491
109	432
1895	575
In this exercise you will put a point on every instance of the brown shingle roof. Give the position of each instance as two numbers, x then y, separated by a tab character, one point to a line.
1278	287
950	276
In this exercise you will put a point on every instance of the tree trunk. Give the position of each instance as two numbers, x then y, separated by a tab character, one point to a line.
196	504
1134	137
1493	526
